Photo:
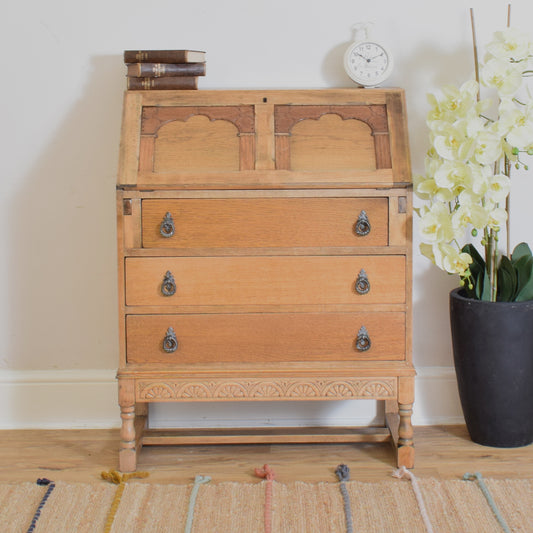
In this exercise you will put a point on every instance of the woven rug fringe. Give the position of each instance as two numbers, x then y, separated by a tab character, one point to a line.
488	496
119	479
267	473
403	472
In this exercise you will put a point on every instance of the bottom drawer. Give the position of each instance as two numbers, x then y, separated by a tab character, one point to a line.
210	338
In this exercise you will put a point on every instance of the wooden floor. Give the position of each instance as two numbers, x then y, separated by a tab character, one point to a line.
80	455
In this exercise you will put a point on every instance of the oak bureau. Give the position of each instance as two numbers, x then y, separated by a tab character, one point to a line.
264	243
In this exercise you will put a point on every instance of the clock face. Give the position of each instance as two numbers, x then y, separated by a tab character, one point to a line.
368	63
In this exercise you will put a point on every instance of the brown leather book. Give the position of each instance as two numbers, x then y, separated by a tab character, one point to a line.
164	56
169	83
162	70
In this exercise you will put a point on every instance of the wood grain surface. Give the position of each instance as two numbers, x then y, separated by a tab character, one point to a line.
265	337
304	280
80	455
265	222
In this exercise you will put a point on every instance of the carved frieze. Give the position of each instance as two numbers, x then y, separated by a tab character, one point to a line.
266	389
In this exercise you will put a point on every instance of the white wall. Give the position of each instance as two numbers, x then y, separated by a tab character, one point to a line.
62	84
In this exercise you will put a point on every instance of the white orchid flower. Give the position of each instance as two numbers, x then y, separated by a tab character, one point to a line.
499	188
502	75
467	215
427	251
452	143
451	260
481	175
516	124
510	44
497	218
425	188
455	102
488	147
469	197
453	175
436	225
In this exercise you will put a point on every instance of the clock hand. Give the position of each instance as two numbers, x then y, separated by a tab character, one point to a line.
363	57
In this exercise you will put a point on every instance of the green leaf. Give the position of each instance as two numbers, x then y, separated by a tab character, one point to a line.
477	270
507	280
521	250
524	269
479	284
478	263
485	295
526	293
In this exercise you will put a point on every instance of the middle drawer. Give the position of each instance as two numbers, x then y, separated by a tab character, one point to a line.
271	280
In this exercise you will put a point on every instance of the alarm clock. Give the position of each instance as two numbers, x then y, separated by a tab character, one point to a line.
367	62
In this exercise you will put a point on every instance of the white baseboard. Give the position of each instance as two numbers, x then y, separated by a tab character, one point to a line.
436	397
60	399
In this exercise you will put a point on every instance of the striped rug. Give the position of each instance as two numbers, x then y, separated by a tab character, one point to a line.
206	506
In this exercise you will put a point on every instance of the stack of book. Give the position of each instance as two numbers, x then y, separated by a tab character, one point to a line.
164	69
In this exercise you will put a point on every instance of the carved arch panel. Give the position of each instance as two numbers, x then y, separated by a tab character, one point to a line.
343	137
197	138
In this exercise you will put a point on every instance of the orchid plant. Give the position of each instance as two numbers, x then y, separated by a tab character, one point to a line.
468	169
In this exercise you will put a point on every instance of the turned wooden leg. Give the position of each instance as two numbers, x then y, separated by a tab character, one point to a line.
406	451
126	399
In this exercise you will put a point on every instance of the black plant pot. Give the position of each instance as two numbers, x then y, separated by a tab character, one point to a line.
493	354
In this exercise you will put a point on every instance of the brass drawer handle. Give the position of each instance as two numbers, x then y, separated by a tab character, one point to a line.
362	284
170	342
168	287
167	227
363	342
362	227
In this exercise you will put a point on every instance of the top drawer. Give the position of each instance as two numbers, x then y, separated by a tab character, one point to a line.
264	222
